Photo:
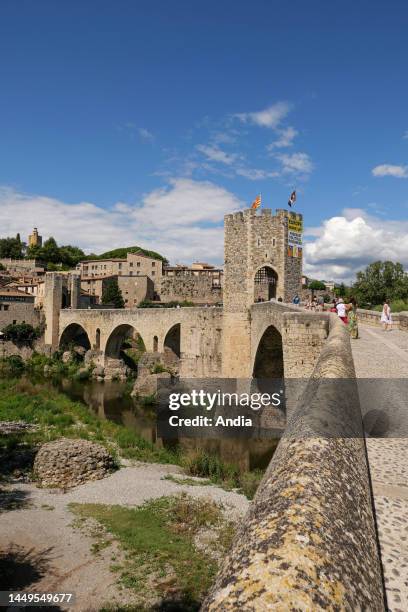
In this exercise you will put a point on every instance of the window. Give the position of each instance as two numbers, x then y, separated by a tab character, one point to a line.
273	242
120	266
153	264
153	273
131	264
138	264
130	273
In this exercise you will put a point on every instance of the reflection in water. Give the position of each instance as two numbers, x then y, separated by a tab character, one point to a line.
111	400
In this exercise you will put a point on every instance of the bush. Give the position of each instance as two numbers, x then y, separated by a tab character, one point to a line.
12	366
396	306
21	333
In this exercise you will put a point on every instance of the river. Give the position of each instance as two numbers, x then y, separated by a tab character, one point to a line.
111	400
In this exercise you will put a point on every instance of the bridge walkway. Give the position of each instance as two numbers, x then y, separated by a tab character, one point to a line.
381	362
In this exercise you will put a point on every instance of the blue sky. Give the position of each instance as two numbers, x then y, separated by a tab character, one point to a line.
144	122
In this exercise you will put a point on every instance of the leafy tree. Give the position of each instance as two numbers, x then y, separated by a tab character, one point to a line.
317	285
341	290
20	333
112	294
12	247
2	268
381	280
123	251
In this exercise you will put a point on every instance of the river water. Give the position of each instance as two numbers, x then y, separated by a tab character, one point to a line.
111	400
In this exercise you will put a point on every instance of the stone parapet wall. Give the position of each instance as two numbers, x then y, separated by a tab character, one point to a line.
373	317
309	541
197	289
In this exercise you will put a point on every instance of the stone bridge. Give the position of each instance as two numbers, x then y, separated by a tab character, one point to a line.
280	339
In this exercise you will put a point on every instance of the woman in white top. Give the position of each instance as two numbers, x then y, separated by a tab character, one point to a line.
386	318
341	311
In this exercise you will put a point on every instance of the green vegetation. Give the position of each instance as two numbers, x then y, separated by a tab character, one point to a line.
55	416
192	482
161	560
121	253
396	306
21	333
173	304
55	257
223	474
316	285
380	281
12	247
112	294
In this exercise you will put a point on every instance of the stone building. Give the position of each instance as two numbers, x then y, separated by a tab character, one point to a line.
28	267
134	289
201	283
17	307
135	264
34	240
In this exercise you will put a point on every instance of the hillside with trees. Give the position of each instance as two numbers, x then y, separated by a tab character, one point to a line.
63	257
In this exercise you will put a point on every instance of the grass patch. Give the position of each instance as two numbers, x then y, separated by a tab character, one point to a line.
58	416
223	474
162	559
187	481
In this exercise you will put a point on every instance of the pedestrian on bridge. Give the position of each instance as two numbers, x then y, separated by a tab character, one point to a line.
386	318
342	311
352	318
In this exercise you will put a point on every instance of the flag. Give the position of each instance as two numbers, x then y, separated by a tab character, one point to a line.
292	199
256	203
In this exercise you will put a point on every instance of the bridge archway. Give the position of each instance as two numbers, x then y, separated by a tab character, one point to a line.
74	335
172	340
268	363
123	336
265	284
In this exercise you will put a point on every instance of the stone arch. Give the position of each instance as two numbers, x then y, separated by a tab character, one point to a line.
172	340
265	283
116	338
268	362
74	335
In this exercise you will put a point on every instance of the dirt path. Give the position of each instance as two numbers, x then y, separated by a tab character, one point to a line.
48	554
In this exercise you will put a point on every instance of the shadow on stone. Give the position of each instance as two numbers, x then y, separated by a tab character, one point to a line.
376	423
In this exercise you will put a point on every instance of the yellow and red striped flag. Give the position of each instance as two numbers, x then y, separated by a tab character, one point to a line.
256	203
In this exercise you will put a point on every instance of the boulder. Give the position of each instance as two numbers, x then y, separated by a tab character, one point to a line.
98	371
148	384
66	357
67	463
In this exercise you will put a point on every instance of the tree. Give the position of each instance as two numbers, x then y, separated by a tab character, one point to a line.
381	280
11	247
21	333
112	294
316	285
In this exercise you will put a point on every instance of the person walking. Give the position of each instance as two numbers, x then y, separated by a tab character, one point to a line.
386	318
352	318
341	311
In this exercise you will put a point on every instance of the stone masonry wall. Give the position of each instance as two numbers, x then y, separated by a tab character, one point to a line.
309	540
373	317
197	289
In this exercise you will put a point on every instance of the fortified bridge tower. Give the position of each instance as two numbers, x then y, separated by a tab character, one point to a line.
263	260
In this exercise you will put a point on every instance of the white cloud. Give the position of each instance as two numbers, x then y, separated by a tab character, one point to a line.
256	174
295	163
182	221
216	154
285	139
390	170
145	134
270	117
349	242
